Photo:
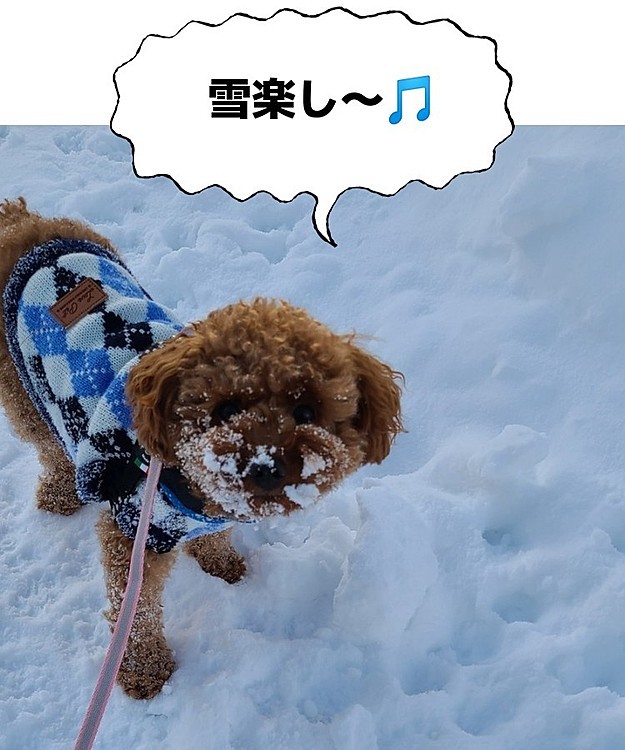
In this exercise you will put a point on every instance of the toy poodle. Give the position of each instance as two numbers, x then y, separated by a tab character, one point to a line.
256	410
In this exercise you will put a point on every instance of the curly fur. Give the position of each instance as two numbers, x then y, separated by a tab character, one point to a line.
262	408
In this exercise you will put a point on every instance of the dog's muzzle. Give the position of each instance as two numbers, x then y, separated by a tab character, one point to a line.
266	476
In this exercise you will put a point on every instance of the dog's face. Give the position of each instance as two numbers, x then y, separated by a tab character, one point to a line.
262	408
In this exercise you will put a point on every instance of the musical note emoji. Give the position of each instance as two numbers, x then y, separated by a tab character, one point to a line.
408	84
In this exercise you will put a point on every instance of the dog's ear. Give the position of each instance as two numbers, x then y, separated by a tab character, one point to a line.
379	409
151	389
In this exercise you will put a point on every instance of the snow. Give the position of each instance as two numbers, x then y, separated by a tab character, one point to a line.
469	592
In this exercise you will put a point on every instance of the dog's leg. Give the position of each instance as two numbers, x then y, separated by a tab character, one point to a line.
57	489
217	557
148	662
56	492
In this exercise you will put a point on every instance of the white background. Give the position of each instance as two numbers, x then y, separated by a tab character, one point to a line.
57	59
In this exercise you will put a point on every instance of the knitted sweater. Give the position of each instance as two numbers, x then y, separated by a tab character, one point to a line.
74	367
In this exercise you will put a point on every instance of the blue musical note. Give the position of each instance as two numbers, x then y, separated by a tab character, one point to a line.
408	84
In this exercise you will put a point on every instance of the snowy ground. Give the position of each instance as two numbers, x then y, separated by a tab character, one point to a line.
467	594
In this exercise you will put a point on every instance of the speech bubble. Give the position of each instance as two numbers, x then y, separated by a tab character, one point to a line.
313	103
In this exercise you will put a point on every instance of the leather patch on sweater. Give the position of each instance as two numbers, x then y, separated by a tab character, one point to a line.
78	302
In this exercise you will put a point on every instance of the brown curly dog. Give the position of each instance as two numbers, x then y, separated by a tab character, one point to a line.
257	410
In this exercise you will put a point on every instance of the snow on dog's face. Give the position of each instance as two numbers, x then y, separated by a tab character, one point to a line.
263	408
263	460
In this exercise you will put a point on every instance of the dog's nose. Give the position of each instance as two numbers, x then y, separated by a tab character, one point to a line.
268	476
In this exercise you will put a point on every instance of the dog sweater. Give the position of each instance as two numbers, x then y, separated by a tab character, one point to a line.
74	366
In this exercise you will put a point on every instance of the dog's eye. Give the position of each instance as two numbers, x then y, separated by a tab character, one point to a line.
226	410
304	414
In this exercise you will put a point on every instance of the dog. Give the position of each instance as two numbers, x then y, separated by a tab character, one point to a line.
257	410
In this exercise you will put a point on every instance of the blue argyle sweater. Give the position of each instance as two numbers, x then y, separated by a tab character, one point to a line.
76	378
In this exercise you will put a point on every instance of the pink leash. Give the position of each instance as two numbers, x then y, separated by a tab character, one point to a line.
121	633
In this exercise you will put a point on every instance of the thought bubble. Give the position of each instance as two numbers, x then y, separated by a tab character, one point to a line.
319	104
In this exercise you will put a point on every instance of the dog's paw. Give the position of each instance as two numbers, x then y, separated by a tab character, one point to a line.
145	668
231	567
56	493
217	557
